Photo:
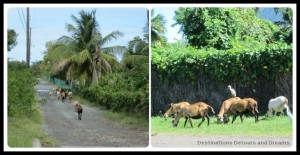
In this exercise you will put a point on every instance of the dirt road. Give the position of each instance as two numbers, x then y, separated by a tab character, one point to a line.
94	130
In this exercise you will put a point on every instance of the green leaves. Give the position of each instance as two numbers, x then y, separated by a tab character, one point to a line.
223	28
235	64
21	94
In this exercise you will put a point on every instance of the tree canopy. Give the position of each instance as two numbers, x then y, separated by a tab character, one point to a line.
224	28
11	39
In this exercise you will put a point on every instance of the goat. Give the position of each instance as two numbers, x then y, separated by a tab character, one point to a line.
175	108
240	106
78	109
70	96
50	93
63	96
222	115
278	104
58	94
195	111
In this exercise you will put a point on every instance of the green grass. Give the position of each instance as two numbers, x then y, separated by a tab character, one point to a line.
132	120
21	132
278	126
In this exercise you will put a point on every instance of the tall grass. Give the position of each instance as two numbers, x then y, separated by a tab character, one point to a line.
22	131
278	126
134	120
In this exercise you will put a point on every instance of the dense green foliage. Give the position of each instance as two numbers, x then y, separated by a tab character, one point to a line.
223	28
242	64
125	91
21	94
11	39
286	26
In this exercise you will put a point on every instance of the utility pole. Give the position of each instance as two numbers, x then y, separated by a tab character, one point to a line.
27	40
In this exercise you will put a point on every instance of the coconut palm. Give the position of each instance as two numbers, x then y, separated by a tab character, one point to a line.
137	53
82	55
157	28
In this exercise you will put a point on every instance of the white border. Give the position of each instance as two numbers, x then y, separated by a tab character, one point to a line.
149	6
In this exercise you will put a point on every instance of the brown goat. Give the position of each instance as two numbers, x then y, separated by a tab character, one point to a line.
78	109
222	116
175	108
240	106
195	111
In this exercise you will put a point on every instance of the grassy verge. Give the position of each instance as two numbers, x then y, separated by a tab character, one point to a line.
278	126
22	131
135	121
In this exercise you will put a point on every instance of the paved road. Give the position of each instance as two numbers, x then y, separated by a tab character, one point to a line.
94	130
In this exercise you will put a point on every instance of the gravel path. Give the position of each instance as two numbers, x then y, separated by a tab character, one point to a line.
94	130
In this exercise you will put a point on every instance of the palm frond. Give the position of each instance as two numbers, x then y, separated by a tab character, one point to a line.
113	50
92	41
72	72
82	57
59	66
133	60
104	66
112	60
109	37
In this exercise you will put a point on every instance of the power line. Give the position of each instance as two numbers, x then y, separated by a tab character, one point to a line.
21	20
23	15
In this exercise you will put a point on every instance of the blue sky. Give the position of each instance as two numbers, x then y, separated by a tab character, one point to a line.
50	23
172	32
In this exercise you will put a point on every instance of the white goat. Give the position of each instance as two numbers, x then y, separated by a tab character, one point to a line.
279	104
70	95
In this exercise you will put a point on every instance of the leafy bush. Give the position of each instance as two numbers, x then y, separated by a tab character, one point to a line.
126	91
21	95
221	28
243	64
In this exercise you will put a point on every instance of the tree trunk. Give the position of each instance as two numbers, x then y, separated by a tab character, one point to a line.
95	73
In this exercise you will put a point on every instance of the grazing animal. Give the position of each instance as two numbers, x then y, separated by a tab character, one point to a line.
232	91
78	109
240	106
222	115
50	93
195	111
174	109
70	96
278	104
58	94
63	96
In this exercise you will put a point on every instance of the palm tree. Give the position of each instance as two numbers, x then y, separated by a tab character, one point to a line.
82	55
157	28
137	53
